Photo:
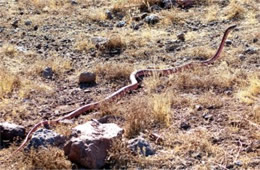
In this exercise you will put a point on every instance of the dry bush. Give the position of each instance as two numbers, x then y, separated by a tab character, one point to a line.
114	70
9	50
220	78
250	93
50	158
234	10
174	16
8	82
58	64
84	45
94	14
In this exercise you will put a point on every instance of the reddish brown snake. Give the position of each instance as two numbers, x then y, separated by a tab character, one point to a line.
134	85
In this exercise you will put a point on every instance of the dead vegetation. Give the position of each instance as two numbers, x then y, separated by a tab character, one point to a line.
218	103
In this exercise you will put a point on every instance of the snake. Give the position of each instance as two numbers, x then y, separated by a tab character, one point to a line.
135	79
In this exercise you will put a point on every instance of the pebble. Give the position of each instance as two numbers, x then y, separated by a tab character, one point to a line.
228	42
250	50
28	23
185	126
151	19
109	14
47	73
181	36
140	146
120	24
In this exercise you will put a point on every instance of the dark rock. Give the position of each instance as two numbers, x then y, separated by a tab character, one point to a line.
1	29
35	28
90	142
255	40
185	3
73	2
45	137
250	50
241	57
185	126
171	48
120	24
87	77
155	8
10	132
140	146
167	4
109	14
198	107
228	42
28	23
137	26
15	24
181	36
47	73
152	19
208	116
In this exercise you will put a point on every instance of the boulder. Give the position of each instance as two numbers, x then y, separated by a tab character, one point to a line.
90	142
9	132
44	137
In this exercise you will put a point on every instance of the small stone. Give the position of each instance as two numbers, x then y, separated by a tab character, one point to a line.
185	3
228	42
47	73
15	24
28	23
74	2
1	29
185	126
109	14
140	146
167	4
171	48
181	36
44	137
151	19
255	40
120	24
155	8
87	77
241	57
35	28
250	50
208	116
198	107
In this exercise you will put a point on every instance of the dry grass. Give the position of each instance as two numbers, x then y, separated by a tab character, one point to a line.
114	70
51	158
8	82
234	10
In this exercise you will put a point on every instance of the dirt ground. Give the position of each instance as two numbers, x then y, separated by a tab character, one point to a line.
208	117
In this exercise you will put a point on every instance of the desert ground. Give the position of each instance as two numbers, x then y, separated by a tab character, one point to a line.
207	116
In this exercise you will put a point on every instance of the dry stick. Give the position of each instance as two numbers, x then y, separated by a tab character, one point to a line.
134	85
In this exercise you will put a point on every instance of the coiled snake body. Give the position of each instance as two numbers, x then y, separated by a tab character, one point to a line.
134	77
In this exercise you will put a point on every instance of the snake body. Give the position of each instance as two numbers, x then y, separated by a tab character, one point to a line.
135	82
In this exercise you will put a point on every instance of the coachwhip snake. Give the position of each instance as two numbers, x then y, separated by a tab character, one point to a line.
134	85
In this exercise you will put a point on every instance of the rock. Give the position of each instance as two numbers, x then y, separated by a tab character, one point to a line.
35	28
167	4
198	107
140	146
15	24
241	57
109	14
155	8
2	29
181	36
208	116
228	42
250	50
87	77
99	41
28	23
136	26
171	48
9	132
255	40
90	142
152	19
73	2
185	3
47	73
120	24
185	126
44	137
